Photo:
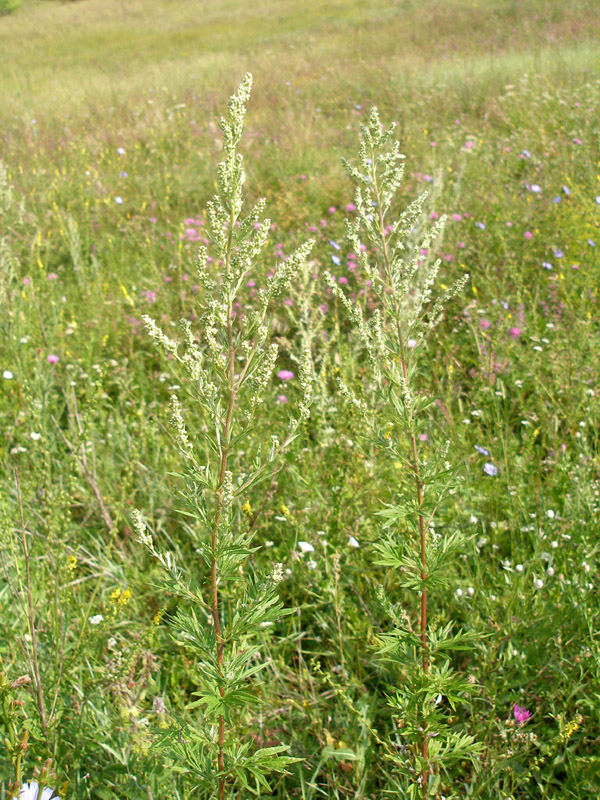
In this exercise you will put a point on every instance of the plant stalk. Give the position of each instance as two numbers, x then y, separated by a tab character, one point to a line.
414	459
31	617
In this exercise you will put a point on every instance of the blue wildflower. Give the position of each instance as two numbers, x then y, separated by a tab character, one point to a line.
491	469
482	450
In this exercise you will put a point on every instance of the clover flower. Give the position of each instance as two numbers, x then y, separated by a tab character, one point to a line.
521	714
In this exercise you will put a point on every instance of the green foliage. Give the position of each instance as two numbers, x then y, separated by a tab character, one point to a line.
8	6
108	144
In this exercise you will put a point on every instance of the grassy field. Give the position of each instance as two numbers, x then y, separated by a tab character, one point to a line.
110	140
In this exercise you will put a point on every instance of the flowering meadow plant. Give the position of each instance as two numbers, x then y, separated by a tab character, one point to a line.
395	414
228	365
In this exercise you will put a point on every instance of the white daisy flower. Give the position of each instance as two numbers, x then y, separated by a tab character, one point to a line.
306	547
33	791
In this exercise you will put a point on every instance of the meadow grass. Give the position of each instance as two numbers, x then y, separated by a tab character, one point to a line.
110	136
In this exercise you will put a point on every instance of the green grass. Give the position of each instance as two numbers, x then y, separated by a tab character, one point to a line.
79	80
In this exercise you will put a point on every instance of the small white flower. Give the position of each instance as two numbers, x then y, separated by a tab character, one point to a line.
121	151
550	514
306	547
353	542
470	591
458	593
7	375
519	567
33	791
311	564
34	435
554	544
119	200
586	567
550	571
96	619
538	583
473	519
493	598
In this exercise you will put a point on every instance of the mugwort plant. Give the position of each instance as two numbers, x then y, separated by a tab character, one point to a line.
223	604
418	644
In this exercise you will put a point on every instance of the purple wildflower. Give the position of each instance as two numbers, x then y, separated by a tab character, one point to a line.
521	714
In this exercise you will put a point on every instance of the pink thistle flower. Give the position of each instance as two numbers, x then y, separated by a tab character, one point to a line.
521	714
285	375
332	209
485	324
514	333
528	235
52	276
282	399
350	207
53	359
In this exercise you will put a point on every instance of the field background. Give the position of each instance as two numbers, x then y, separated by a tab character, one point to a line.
109	132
